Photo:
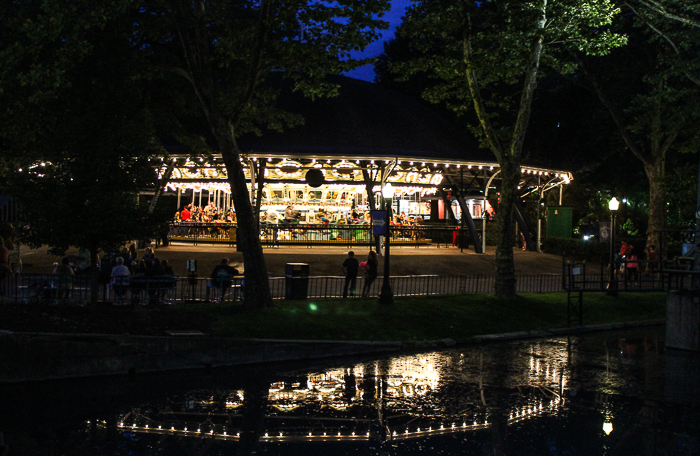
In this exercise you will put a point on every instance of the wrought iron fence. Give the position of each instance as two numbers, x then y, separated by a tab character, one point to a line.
332	234
60	289
646	276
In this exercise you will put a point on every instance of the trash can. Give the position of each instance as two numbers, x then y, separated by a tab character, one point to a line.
296	280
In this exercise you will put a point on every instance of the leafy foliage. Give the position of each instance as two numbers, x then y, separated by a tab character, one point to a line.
78	135
487	55
225	52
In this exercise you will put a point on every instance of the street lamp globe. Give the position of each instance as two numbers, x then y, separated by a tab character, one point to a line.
607	427
614	204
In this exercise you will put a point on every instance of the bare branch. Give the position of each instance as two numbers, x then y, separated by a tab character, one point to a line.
693	79
479	104
636	149
258	52
660	9
528	91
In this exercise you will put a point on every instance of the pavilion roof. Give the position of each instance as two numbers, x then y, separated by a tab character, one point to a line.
366	120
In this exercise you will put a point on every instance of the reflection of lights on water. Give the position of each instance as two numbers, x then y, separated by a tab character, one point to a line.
407	377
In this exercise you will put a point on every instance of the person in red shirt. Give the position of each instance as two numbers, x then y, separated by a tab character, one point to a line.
185	214
625	249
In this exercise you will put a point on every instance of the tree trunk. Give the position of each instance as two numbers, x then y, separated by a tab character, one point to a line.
657	200
504	286
256	288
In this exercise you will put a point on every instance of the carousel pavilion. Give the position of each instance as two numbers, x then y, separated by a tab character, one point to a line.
350	146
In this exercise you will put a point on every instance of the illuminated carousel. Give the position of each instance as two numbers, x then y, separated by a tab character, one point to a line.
349	147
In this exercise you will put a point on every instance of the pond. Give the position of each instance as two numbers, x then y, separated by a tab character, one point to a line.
613	393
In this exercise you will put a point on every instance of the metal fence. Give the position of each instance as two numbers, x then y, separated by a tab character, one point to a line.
306	235
598	277
60	289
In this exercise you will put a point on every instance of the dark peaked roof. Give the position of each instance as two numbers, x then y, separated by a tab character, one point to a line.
366	119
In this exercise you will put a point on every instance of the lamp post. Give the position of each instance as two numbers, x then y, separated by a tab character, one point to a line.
386	296
613	205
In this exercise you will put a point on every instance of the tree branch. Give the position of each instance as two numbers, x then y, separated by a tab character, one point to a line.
479	104
258	52
693	79
529	86
659	9
637	150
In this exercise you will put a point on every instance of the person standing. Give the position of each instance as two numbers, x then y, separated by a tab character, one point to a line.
624	249
185	214
350	267
371	272
65	280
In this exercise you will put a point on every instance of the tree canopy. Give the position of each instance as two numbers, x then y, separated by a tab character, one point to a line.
77	135
486	56
225	50
208	59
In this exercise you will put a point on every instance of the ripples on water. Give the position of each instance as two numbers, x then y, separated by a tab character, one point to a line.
598	394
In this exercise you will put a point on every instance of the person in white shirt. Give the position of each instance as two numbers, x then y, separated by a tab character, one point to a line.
119	286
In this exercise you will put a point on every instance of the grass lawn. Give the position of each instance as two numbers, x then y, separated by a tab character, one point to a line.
457	317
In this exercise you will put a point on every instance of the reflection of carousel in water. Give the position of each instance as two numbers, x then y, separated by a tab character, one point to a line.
403	398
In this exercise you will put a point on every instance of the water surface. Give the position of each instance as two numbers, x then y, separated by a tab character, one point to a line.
607	393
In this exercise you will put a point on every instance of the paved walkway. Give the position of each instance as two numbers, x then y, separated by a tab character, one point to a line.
326	260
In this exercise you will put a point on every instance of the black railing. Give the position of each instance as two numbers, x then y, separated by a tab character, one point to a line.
597	277
331	234
56	289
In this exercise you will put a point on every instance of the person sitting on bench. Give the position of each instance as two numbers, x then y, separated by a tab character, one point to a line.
220	271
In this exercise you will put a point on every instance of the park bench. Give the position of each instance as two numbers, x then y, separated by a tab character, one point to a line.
222	284
152	289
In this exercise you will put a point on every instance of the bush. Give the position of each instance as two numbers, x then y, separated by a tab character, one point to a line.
584	250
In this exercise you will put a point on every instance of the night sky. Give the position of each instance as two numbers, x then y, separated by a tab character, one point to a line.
366	73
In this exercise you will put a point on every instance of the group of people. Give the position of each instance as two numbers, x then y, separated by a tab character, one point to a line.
126	264
628	261
351	268
208	214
